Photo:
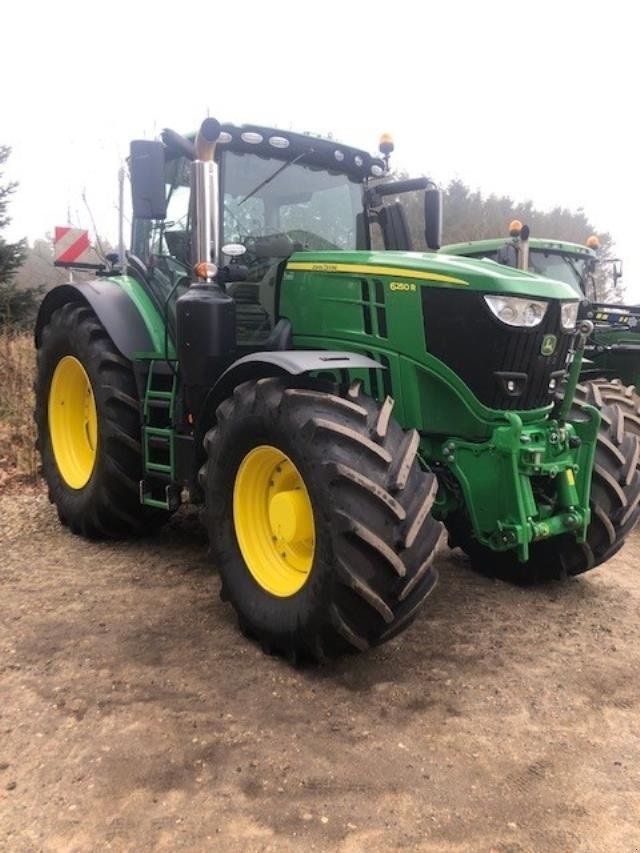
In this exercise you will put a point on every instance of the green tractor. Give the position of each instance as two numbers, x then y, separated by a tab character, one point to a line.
333	408
611	368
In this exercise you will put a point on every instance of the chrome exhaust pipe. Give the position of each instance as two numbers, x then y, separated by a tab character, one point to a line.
204	192
206	139
523	249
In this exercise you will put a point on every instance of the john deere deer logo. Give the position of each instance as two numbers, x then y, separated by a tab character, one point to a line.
548	345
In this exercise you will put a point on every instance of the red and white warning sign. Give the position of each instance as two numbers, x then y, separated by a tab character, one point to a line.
72	248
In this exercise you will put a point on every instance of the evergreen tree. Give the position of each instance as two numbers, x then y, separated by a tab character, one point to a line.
17	307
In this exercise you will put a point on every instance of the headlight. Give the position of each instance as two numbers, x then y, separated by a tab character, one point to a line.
516	311
569	315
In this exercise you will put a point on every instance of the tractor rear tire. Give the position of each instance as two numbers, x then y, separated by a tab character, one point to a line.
352	566
88	424
615	511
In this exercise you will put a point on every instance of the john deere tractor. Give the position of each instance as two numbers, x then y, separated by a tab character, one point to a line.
611	368
332	407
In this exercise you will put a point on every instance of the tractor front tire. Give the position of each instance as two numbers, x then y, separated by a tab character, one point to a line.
615	511
319	517
88	424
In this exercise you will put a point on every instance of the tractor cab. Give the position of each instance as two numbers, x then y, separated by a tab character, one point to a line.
270	194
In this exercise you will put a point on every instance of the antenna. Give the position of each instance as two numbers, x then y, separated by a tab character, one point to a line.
101	252
121	248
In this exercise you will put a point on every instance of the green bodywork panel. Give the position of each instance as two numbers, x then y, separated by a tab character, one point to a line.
150	313
433	269
495	460
322	295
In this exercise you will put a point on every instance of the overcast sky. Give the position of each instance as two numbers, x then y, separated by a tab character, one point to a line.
535	100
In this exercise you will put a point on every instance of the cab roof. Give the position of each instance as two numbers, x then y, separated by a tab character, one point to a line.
539	243
313	151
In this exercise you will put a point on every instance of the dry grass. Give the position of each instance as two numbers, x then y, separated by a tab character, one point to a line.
18	457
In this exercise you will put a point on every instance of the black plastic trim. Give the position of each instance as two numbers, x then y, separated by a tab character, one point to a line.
299	361
313	151
485	353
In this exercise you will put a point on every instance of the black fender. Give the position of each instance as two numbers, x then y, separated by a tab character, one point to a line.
258	365
114	308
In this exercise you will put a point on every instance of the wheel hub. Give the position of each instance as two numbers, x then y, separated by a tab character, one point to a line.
273	520
289	517
73	422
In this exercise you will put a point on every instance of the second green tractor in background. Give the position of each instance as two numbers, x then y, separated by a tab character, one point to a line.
611	367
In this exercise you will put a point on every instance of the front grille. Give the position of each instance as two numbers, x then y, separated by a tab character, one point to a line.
503	365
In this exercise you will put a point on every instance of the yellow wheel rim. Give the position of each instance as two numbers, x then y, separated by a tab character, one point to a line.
273	520
73	422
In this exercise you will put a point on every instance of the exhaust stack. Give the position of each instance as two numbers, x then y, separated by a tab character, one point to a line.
204	190
205	314
205	143
523	249
520	234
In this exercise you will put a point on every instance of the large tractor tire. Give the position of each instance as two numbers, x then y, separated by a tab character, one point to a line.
606	392
88	422
319	517
615	511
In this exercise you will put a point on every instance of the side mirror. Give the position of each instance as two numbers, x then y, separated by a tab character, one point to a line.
146	165
433	217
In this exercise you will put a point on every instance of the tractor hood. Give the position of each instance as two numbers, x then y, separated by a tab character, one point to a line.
434	270
428	312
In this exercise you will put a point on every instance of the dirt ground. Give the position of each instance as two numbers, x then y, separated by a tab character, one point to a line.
134	716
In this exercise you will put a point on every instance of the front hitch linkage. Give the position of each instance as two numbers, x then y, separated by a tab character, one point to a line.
584	331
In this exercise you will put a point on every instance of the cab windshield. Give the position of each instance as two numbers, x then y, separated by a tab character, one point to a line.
308	209
571	269
275	208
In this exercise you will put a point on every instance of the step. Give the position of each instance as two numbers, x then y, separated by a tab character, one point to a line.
171	500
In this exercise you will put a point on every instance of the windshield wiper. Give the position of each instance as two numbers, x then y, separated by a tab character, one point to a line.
274	175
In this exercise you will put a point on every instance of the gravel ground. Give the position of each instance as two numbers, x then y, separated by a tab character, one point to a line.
134	716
